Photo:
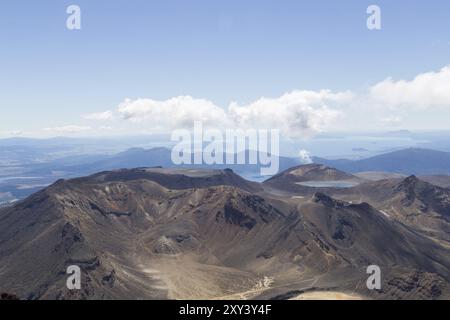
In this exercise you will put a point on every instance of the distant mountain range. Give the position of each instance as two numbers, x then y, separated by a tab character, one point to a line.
409	161
20	180
140	157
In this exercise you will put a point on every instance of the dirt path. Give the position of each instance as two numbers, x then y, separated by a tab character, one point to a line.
258	289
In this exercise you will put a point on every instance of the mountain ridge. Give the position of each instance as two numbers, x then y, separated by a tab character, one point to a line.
134	236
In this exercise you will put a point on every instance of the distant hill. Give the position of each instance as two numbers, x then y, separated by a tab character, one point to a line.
299	179
407	162
139	157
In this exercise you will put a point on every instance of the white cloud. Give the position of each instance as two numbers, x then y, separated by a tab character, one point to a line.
103	116
427	90
67	129
174	113
296	113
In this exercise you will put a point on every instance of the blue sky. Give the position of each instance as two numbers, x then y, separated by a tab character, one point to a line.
222	51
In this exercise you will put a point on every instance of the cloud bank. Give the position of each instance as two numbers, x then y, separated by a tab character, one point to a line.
297	114
425	91
178	112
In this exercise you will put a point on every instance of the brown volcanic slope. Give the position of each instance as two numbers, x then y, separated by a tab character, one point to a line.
158	234
312	172
411	201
